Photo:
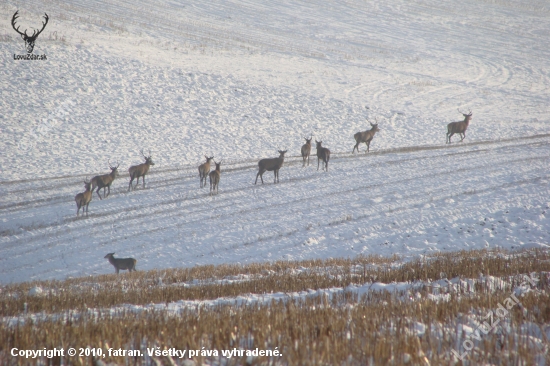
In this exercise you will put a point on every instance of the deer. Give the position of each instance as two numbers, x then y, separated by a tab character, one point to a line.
105	181
29	40
322	154
215	178
306	150
273	164
204	169
365	136
458	127
84	198
140	170
122	263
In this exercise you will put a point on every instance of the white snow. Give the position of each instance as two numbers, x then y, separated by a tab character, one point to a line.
240	80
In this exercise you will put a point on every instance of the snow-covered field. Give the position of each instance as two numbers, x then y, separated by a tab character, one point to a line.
242	79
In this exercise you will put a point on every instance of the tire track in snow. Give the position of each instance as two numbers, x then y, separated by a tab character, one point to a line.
188	171
196	205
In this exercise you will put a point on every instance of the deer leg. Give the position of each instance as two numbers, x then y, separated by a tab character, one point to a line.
143	179
99	195
260	173
109	190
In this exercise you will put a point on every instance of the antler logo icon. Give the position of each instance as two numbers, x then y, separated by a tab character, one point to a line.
29	40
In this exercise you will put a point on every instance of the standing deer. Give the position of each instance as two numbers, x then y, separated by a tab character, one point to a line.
306	150
29	40
322	154
365	136
122	263
84	198
458	127
273	164
140	170
204	169
215	178
105	181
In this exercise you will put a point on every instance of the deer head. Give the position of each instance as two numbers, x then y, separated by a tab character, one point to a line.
466	115
148	159
29	40
114	169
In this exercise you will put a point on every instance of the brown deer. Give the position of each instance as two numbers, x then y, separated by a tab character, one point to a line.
204	169
140	170
322	154
365	136
105	181
306	150
122	263
273	164
84	198
215	178
458	127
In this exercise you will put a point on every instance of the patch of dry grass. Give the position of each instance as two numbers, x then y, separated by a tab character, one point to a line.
145	287
379	328
313	331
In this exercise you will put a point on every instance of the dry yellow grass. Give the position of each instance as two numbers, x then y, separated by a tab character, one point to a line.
143	287
343	329
307	332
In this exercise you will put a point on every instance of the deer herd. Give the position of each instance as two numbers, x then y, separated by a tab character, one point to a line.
272	165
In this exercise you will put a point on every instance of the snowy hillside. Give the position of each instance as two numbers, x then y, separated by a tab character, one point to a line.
242	79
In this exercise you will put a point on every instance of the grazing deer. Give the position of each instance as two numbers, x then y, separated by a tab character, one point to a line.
273	164
215	178
365	136
140	170
105	181
29	40
84	198
458	127
322	154
204	169
122	263
306	150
